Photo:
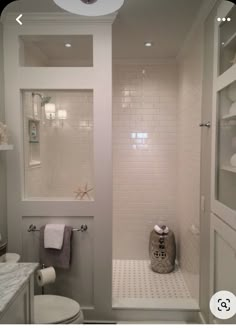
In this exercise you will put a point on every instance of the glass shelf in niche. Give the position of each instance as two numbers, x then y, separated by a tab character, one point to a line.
33	149
228	42
226	147
34	128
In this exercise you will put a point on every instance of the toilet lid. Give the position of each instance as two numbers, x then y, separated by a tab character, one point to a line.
54	309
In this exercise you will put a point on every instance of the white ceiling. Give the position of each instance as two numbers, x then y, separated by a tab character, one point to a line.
165	22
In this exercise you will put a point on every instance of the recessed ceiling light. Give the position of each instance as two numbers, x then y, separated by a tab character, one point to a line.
148	44
68	45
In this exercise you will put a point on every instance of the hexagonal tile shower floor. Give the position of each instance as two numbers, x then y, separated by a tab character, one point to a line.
135	285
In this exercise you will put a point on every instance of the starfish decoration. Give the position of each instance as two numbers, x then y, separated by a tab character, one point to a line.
81	192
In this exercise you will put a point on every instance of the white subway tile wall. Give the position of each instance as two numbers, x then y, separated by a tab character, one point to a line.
144	155
189	148
65	148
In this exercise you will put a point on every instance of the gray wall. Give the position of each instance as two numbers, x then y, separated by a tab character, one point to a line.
3	214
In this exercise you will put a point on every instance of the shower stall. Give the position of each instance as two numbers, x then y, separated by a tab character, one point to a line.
156	181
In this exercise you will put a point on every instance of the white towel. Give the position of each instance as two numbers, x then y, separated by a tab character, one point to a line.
54	235
161	230
158	229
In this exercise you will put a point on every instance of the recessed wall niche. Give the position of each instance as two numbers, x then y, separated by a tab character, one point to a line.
34	142
58	144
56	51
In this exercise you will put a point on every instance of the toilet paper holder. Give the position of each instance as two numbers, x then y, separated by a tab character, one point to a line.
83	227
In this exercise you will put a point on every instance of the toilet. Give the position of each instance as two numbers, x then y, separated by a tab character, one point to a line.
53	309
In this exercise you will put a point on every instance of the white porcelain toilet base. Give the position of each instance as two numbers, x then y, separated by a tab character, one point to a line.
53	309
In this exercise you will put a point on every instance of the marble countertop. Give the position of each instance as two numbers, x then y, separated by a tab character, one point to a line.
12	277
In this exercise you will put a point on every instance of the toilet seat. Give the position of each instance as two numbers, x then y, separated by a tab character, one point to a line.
53	309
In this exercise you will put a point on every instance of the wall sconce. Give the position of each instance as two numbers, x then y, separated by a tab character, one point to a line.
50	111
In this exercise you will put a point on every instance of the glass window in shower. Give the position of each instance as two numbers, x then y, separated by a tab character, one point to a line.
226	145
58	144
228	41
56	51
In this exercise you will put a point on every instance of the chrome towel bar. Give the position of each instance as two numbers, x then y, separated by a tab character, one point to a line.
33	228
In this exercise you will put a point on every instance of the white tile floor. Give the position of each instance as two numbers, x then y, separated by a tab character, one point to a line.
136	285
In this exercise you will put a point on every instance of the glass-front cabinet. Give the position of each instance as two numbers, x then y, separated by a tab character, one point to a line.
226	141
224	115
227	38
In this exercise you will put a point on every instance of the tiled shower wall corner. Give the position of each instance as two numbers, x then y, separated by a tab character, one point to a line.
66	148
144	155
189	148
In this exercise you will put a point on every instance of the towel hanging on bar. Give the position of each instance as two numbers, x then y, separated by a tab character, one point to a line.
53	257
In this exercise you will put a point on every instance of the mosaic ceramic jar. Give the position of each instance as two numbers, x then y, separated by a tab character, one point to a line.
162	251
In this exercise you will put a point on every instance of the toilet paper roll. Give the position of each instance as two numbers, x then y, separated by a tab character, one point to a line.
46	276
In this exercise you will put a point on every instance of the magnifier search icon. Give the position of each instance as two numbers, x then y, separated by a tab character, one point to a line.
223	305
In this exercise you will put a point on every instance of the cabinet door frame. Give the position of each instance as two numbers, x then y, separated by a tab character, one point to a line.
218	227
220	82
24	297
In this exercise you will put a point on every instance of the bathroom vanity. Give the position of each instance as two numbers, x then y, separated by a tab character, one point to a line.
17	293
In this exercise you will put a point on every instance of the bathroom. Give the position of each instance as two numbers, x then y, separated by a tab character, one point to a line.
116	123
